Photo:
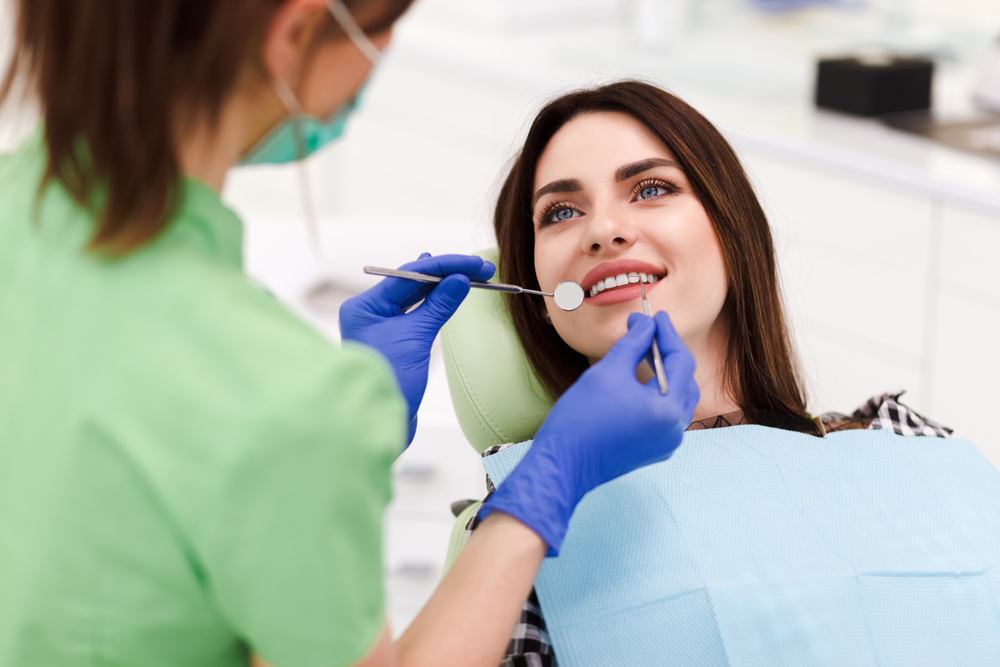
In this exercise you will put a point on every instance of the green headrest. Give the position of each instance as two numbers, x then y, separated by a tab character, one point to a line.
497	397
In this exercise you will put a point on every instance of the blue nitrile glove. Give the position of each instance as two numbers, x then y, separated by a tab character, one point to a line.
378	317
605	425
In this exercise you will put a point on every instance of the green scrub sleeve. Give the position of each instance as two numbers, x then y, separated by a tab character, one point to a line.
294	538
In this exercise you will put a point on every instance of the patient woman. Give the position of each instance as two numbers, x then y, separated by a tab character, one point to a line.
625	184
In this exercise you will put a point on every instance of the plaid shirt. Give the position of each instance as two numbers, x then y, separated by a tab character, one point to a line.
530	645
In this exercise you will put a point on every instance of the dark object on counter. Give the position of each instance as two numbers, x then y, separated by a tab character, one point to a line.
975	135
872	86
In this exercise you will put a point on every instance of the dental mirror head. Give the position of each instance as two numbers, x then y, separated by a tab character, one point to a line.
568	295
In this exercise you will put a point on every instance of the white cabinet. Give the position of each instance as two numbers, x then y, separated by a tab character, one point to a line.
966	361
970	243
963	385
854	262
887	289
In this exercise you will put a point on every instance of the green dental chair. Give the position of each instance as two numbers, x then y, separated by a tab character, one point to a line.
497	397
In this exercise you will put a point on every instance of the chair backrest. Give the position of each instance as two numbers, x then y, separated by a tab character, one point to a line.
496	394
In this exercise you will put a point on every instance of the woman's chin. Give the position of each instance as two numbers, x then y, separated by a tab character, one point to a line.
599	338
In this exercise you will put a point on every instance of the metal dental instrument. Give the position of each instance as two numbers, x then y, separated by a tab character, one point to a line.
661	374
568	295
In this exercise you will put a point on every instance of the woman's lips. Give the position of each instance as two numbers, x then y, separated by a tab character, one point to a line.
619	267
629	271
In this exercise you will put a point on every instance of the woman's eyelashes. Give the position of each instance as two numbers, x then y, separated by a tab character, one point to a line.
652	188
557	212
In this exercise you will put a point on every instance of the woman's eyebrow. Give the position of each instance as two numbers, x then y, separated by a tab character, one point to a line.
562	185
627	171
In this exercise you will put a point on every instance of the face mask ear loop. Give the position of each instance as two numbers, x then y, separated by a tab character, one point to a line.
354	32
287	97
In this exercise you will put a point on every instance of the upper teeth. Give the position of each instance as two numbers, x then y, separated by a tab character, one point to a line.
621	279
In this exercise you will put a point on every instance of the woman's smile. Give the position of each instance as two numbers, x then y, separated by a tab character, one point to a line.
618	281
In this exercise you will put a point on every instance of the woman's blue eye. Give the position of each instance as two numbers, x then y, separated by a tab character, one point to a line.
563	214
652	191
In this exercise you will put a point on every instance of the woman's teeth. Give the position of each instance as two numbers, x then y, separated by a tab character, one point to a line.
620	280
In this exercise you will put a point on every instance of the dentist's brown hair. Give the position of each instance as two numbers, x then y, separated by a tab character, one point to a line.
112	78
761	372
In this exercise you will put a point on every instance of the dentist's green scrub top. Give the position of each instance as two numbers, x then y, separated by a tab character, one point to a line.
187	472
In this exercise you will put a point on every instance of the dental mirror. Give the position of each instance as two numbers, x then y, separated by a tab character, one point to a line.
568	295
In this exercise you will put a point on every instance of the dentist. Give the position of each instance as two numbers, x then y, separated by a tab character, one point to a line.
188	474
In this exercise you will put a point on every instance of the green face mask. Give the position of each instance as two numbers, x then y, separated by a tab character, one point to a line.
299	136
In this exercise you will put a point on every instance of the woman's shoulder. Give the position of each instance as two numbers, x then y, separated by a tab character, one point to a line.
886	411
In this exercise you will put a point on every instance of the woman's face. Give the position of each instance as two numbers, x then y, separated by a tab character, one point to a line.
610	201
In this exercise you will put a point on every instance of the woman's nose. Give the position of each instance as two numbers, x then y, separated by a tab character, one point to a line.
608	230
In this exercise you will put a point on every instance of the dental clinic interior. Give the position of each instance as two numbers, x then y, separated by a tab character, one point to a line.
884	208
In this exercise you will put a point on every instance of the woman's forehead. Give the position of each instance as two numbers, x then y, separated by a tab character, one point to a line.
595	145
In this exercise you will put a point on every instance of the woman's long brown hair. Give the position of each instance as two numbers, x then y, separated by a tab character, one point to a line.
761	372
112	76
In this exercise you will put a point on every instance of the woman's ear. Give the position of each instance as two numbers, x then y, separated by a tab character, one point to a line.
289	37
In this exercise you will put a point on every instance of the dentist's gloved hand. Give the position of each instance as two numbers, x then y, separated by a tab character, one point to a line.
605	425
378	317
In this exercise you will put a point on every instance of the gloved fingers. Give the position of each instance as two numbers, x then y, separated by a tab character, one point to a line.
444	300
472	266
679	369
678	362
632	319
398	290
418	294
666	335
486	272
633	346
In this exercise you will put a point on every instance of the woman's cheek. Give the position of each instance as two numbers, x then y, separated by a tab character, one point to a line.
590	336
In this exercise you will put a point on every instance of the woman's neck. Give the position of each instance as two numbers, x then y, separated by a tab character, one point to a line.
711	366
715	399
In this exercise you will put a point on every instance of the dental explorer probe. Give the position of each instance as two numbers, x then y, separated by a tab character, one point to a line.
661	374
568	295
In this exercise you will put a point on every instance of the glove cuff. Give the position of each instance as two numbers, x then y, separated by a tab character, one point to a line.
540	494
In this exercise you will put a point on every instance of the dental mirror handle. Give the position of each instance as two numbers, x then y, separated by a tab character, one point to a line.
661	373
427	278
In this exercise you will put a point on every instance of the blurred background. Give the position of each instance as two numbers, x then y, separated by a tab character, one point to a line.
886	241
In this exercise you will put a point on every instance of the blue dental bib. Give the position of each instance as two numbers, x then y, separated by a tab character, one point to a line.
758	546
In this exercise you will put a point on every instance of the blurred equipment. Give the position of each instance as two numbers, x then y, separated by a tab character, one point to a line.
782	6
987	94
874	85
981	135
